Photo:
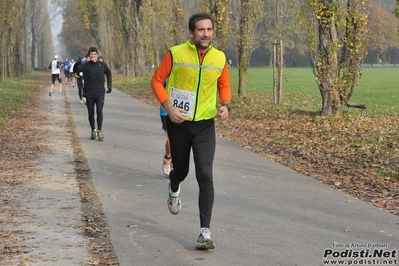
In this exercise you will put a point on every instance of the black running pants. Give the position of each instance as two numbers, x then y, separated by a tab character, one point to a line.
200	138
79	82
99	103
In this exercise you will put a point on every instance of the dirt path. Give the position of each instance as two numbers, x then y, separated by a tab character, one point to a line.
49	210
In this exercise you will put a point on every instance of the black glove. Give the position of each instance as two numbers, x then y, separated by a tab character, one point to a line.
109	90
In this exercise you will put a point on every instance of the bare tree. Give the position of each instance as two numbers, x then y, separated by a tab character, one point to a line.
219	9
250	15
14	38
39	22
337	37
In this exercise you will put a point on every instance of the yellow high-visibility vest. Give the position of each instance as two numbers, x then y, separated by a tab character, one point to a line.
197	81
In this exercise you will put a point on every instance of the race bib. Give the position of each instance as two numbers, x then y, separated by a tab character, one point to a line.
182	99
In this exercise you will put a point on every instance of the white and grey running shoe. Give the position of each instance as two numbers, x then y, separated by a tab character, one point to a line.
204	240
167	166
174	203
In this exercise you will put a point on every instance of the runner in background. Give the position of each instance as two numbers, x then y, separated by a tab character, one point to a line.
72	77
55	67
66	66
167	164
79	80
94	73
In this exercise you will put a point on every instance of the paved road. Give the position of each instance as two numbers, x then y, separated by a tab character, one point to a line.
264	213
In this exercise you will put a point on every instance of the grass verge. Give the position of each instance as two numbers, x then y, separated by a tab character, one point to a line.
15	92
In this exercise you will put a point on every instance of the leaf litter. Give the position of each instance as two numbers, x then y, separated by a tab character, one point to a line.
49	216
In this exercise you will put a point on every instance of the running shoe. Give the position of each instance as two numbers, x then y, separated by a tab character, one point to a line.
100	135
49	94
174	203
204	240
93	134
60	92
167	165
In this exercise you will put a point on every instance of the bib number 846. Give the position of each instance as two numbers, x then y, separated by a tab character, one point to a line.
182	104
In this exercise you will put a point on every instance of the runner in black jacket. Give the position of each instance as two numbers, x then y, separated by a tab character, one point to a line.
93	90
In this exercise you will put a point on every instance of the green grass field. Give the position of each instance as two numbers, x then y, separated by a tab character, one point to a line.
378	89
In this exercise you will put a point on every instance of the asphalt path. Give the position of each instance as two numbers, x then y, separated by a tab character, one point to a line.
264	213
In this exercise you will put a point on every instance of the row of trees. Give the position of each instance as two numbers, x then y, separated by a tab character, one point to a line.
133	35
25	36
382	42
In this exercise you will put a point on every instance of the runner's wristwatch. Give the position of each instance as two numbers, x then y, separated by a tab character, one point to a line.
228	106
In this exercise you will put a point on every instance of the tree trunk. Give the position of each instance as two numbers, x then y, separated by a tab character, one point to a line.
326	108
243	59
33	34
138	53
250	14
327	68
242	81
220	11
336	46
280	73
275	72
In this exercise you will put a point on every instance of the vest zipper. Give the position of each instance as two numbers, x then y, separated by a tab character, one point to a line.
198	86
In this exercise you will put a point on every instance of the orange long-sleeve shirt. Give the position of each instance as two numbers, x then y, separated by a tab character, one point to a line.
164	69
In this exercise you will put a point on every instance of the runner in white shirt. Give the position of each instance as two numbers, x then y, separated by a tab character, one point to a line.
55	67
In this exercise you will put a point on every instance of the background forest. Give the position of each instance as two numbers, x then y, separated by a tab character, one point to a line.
134	35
